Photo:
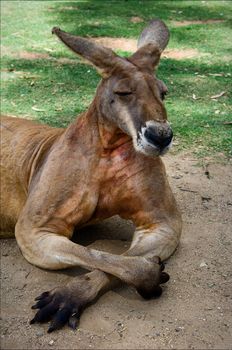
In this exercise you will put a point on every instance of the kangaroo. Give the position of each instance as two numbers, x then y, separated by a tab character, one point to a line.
107	162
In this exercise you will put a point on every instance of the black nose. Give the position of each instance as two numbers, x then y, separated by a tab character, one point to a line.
159	137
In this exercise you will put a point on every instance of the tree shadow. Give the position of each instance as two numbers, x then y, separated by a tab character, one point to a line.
97	18
112	235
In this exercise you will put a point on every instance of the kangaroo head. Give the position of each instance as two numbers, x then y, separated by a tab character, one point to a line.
129	95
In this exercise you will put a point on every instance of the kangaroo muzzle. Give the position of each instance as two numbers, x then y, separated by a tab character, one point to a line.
155	138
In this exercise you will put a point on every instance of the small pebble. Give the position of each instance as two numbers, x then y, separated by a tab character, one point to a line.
39	333
51	342
177	177
203	264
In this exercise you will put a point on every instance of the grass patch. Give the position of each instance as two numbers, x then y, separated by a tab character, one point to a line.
48	91
54	92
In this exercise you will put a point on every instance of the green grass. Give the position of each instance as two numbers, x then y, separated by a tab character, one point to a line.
54	93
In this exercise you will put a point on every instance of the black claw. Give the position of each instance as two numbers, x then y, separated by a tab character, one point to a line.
162	266
148	294
42	302
164	277
45	314
60	319
50	329
32	321
43	295
157	292
74	320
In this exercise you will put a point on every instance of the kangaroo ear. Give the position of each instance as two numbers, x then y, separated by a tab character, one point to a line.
152	41
104	59
156	33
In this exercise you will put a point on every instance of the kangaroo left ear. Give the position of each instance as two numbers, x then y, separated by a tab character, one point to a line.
152	41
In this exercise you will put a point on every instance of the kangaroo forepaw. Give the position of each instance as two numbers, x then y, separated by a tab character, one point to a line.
57	307
155	291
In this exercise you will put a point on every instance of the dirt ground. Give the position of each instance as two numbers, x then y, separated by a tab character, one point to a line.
194	311
126	44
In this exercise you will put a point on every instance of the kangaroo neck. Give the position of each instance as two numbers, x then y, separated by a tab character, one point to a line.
92	130
110	135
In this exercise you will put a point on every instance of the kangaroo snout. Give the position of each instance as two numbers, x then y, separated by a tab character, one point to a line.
155	138
159	136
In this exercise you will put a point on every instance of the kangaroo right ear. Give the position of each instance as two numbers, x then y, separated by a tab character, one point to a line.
102	58
152	41
155	33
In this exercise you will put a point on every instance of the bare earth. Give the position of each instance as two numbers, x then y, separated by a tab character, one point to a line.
123	44
187	23
194	311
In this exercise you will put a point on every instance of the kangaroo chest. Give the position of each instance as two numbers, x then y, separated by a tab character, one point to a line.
117	179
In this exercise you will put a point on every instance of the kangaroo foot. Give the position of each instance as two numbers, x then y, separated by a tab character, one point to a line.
64	305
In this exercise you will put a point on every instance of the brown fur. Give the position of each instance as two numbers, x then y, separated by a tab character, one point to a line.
56	179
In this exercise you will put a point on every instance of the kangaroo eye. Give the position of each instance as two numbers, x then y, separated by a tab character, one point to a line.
123	93
163	95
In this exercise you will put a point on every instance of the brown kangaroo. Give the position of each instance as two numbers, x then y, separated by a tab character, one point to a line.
105	163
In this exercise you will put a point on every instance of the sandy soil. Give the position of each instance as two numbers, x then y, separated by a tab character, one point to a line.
187	23
194	311
126	44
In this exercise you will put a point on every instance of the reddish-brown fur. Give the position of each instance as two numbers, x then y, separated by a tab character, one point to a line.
105	163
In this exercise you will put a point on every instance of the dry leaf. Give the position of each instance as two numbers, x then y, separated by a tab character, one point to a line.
216	74
48	50
136	19
195	97
219	95
37	109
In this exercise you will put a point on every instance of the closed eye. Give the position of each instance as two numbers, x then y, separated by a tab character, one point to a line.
123	93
